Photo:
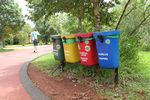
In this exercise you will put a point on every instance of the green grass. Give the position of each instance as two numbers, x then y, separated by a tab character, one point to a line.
133	89
6	50
145	64
45	62
48	64
13	46
137	89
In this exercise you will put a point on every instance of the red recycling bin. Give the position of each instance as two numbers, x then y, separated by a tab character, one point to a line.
87	48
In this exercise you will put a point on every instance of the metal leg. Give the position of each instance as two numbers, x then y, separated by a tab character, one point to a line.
60	67
116	76
62	64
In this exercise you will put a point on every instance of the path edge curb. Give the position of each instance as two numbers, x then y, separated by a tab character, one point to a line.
32	90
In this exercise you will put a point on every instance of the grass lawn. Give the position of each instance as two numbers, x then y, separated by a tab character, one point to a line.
13	46
6	50
45	62
138	89
145	63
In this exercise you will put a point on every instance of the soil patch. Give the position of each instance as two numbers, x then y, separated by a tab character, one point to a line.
64	87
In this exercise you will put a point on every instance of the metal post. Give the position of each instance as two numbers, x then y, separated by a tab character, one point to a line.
60	67
116	76
62	64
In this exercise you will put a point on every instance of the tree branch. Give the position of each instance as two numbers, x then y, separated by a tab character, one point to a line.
138	26
124	10
148	22
129	12
146	9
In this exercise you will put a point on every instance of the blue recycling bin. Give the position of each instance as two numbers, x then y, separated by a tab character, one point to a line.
107	44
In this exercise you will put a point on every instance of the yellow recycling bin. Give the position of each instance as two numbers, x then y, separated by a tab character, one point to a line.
70	49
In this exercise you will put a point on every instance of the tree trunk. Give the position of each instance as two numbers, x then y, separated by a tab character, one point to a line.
96	14
80	24
80	16
46	40
121	17
1	44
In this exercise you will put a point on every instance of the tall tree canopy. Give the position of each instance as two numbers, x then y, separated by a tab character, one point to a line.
96	12
46	29
11	19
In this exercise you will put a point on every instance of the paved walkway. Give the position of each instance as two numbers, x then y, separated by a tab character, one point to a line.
10	64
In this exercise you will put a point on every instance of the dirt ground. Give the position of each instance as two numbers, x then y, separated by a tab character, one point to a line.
64	87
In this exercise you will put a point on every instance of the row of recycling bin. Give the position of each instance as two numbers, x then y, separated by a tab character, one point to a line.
89	48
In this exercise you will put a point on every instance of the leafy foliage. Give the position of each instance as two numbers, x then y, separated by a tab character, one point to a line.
82	10
46	29
11	19
131	37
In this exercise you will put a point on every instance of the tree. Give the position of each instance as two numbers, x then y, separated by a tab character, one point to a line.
81	9
11	19
96	4
45	29
25	34
134	20
138	11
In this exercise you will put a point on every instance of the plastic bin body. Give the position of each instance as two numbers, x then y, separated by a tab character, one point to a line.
108	50
58	49
87	48
70	49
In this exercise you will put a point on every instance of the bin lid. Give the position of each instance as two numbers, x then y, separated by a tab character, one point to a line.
107	33
69	41
84	35
68	36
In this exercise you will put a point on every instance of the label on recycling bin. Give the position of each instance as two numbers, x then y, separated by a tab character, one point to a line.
67	53
107	41
103	56
55	52
84	59
87	48
85	52
83	56
58	46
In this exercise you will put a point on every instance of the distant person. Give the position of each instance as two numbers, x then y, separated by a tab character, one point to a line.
34	36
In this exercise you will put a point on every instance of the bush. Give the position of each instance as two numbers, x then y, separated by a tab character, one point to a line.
129	60
145	41
145	47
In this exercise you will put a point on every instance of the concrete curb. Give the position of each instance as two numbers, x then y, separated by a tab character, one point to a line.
28	85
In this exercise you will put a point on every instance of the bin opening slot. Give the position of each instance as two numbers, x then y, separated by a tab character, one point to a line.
101	38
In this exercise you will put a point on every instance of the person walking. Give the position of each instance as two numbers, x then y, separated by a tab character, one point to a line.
34	36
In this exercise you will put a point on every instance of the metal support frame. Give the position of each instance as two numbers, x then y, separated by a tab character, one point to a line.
60	67
116	75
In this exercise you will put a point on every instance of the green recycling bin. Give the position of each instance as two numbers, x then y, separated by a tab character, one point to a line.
58	49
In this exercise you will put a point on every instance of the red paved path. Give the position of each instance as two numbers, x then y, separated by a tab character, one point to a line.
10	64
